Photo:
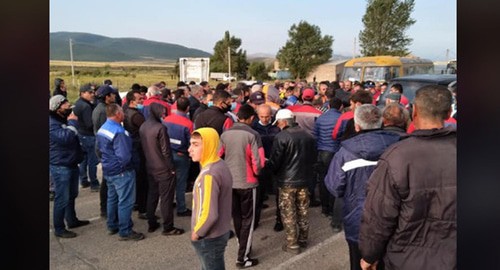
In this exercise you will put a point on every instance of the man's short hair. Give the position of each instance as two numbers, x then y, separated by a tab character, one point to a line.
245	112
165	93
433	101
204	83
112	109
195	89
136	86
363	97
130	95
221	95
182	104
335	103
368	116
398	87
395	115
178	93
220	86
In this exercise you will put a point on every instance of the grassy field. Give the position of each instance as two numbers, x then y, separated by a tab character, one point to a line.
122	74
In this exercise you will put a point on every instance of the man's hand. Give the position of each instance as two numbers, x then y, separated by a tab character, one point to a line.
367	266
194	236
72	116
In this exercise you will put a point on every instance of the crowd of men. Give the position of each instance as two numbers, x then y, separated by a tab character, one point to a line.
384	171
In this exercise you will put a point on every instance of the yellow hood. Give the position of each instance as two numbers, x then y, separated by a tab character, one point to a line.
210	140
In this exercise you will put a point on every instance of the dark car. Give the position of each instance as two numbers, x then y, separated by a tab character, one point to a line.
412	83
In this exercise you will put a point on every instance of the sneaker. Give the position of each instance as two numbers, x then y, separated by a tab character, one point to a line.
145	216
173	231
153	227
112	231
302	244
85	184
136	236
326	213
247	263
314	203
66	234
186	213
336	228
295	248
278	227
95	189
79	223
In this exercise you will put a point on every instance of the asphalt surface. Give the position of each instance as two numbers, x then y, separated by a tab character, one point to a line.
93	248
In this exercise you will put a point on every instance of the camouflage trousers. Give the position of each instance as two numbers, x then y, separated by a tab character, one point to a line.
294	207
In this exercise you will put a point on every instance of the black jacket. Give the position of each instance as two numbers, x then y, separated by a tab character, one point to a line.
267	134
83	109
410	211
194	104
292	157
156	145
212	117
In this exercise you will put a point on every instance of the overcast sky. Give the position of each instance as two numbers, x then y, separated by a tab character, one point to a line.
261	25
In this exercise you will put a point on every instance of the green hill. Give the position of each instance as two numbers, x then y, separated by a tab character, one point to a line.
90	47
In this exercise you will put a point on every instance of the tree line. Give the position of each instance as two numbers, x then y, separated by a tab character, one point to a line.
385	23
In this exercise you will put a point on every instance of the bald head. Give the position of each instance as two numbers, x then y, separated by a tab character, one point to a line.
264	113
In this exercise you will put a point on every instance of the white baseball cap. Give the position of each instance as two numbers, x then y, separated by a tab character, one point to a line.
283	114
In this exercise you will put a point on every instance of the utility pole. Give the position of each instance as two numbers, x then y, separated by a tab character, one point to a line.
354	49
71	57
229	60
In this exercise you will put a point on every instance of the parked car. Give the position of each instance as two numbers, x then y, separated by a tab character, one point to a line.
412	83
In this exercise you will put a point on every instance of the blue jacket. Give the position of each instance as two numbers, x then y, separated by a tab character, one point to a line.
115	148
179	129
64	145
349	171
323	128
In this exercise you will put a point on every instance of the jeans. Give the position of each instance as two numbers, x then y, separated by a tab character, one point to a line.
51	182
121	199
210	251
88	167
66	190
181	171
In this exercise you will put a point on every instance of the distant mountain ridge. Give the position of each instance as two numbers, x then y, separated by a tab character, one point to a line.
91	47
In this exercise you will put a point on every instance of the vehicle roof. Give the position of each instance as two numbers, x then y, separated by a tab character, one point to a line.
431	78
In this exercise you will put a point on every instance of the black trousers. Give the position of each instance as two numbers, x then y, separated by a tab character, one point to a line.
141	181
265	178
243	212
354	255
103	196
163	189
327	199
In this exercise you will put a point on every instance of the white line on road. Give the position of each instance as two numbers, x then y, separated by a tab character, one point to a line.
286	264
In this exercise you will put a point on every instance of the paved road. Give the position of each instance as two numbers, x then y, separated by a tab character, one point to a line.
94	249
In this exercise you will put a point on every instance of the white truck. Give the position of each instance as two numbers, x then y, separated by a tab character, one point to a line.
221	76
194	69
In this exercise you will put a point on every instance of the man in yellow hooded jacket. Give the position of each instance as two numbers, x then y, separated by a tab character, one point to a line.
212	200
